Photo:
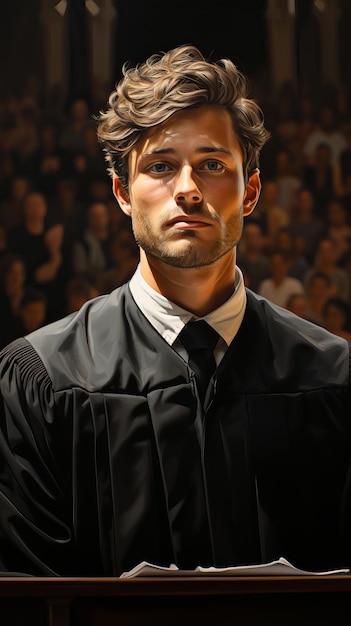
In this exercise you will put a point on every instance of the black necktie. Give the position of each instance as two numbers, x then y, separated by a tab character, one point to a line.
199	339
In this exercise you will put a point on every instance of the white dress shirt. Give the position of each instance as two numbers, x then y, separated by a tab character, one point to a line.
168	318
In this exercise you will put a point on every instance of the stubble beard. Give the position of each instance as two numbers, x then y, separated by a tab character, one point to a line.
186	254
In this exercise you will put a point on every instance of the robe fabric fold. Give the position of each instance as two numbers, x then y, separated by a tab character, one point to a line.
107	457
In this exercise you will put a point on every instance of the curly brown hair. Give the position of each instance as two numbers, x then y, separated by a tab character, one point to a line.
166	83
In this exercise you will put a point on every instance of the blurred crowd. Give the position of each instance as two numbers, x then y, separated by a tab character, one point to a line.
64	240
296	245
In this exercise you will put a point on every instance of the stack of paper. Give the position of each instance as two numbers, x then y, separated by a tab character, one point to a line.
281	567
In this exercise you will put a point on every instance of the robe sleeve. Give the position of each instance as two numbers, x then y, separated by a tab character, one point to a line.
34	533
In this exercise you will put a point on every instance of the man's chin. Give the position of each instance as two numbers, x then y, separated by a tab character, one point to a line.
191	259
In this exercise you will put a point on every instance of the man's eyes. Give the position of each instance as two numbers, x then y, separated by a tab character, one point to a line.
213	166
161	167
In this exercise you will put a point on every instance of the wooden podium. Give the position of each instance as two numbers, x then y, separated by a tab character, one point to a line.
179	601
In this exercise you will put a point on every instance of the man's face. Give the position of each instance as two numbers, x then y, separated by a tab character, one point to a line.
187	195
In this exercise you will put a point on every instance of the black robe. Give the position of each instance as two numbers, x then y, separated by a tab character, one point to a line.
107	458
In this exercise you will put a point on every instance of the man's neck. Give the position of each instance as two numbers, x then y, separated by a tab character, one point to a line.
198	290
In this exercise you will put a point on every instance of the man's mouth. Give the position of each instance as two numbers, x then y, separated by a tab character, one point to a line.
184	222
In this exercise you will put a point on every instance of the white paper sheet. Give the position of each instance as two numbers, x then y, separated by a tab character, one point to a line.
281	567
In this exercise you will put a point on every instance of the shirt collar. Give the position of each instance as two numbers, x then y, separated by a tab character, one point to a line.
168	318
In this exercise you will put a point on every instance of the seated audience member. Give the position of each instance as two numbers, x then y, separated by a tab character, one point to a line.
271	215
342	170
293	247
24	138
72	136
78	171
95	160
90	252
297	304
305	223
325	262
280	285
123	253
306	122
287	180
336	317
32	311
71	213
49	163
306	115
79	290
12	285
252	255
318	290
99	190
339	229
39	241
328	133
11	207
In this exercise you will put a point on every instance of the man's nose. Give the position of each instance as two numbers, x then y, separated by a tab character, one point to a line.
186	189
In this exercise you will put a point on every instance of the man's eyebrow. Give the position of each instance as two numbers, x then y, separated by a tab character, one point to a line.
200	150
210	149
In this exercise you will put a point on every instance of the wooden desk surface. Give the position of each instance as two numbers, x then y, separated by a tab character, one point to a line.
167	585
179	601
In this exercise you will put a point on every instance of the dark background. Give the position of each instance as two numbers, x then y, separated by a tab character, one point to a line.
234	28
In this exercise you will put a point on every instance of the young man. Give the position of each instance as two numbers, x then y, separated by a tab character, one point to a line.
112	451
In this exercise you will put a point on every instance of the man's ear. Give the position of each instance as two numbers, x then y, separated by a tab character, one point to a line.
121	195
252	192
